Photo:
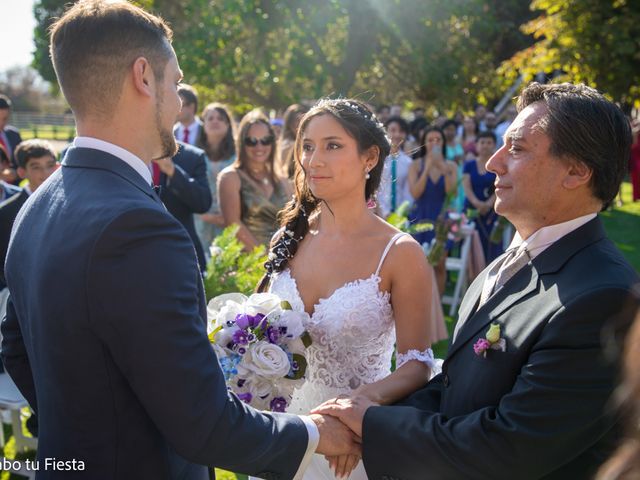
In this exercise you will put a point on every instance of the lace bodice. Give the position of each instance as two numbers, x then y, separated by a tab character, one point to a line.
353	337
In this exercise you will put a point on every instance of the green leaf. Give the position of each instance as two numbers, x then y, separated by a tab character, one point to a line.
306	339
302	366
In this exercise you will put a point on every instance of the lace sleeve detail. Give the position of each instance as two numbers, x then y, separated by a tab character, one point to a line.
425	357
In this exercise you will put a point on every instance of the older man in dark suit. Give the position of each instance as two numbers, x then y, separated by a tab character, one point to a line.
105	330
184	189
524	388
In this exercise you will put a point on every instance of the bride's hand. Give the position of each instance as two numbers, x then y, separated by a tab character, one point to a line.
343	465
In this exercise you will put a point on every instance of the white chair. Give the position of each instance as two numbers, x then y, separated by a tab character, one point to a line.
459	264
11	400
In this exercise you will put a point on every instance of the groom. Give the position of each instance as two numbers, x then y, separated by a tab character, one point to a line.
105	330
529	398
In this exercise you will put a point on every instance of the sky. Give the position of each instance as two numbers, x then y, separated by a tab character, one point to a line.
16	33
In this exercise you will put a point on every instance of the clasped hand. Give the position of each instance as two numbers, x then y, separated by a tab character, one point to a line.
350	411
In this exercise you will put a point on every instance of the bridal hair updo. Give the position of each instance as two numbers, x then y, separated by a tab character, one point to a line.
362	125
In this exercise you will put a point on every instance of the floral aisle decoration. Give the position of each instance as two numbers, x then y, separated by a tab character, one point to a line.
260	343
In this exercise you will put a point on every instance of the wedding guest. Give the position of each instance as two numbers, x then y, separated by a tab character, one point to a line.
395	110
468	137
7	171
217	140
285	166
184	189
394	184
455	153
250	192
625	463
480	195
431	181
509	116
525	387
189	126
383	113
105	332
36	161
9	135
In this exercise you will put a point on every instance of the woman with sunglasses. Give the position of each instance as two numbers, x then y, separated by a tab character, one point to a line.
250	194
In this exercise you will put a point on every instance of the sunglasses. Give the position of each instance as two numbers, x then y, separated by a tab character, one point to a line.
253	141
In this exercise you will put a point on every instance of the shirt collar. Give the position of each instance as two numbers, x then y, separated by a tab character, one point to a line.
191	126
126	156
543	238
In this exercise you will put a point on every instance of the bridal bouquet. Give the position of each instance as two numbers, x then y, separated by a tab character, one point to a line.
260	343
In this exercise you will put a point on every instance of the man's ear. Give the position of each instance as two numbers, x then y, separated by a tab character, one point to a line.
22	173
578	175
143	78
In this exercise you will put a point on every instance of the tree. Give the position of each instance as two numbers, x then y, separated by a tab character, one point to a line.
591	41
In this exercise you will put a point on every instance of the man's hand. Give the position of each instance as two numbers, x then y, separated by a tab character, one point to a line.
166	166
335	438
349	411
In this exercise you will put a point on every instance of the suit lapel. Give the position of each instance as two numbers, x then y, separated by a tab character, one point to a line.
522	284
518	287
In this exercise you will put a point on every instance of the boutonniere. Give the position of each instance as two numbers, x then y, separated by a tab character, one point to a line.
491	341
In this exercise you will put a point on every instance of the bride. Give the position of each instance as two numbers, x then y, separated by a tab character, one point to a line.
365	285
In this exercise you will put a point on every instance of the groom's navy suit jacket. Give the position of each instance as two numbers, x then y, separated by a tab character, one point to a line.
538	409
105	336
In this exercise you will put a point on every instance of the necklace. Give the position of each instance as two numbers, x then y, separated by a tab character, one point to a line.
264	180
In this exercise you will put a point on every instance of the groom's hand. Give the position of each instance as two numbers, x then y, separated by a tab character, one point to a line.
349	411
335	437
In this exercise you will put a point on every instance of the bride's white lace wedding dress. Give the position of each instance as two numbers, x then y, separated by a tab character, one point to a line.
353	338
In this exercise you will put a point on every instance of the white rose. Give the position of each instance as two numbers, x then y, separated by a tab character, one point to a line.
215	305
267	360
262	303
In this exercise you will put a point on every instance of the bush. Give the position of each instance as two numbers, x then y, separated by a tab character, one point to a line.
231	269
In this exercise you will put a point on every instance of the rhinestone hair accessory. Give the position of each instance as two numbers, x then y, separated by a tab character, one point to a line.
364	112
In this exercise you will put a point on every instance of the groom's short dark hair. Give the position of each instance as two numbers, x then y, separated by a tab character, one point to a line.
584	126
95	42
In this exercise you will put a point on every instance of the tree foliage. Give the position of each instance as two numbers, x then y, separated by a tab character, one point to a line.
592	41
442	53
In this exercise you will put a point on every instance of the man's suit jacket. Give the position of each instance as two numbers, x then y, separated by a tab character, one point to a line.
8	211
109	345
188	192
536	410
12	134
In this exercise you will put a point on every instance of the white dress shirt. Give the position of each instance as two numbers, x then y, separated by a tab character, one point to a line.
194	128
125	155
143	169
542	239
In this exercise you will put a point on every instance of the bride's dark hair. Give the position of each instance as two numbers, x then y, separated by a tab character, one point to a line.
363	126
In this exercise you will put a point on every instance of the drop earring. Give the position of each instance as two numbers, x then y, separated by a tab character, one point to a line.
367	176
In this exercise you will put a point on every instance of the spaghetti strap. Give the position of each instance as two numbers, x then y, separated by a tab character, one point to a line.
387	248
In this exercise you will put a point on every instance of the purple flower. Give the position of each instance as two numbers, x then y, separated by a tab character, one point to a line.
245	397
240	337
248	321
481	346
278	404
273	335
